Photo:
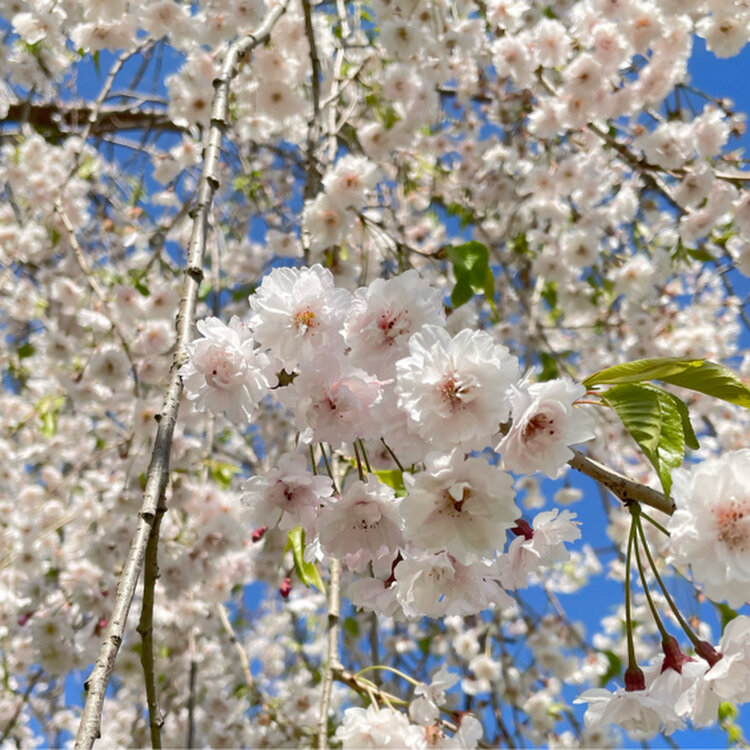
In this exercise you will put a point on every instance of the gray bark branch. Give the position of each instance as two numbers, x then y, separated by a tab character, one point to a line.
158	470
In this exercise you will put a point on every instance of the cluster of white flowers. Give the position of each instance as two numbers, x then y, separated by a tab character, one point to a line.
677	689
438	549
599	178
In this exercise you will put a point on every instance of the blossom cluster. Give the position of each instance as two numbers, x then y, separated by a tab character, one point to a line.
378	368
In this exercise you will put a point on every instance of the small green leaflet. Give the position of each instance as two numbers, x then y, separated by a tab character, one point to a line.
471	266
48	409
394	478
307	572
222	472
657	421
695	374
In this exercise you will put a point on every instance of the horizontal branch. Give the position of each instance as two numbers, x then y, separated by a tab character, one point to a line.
60	118
626	489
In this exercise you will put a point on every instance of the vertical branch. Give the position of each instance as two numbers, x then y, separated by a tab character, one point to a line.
158	470
332	659
191	693
146	622
312	182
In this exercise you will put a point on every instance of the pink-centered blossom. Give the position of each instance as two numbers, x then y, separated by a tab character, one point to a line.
710	530
435	585
378	728
455	389
461	505
641	714
297	312
363	527
384	315
349	181
545	424
287	496
537	547
225	373
334	400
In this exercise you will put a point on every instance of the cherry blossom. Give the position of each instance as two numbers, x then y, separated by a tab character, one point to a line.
455	389
545	424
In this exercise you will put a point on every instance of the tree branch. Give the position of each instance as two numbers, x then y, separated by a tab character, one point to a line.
627	490
59	119
332	660
158	470
145	625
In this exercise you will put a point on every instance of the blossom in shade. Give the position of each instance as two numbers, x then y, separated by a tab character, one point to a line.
710	530
297	312
225	372
534	548
347	183
435	585
335	400
461	505
641	714
378	728
454	390
545	423
363	527
384	315
287	496
109	365
424	710
327	222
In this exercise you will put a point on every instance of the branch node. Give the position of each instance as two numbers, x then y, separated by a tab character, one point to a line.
195	273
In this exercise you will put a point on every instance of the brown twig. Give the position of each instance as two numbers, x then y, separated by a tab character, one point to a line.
158	470
626	489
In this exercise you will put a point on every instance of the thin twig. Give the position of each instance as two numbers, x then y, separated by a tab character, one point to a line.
332	660
96	289
625	489
192	678
222	612
158	470
21	703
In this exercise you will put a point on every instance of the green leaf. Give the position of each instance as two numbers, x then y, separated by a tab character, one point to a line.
351	627
653	420
25	350
307	572
473	273
48	409
462	292
613	670
472	256
394	478
640	370
726	614
699	375
727	710
687	428
222	472
714	380
550	370
424	644
700	255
